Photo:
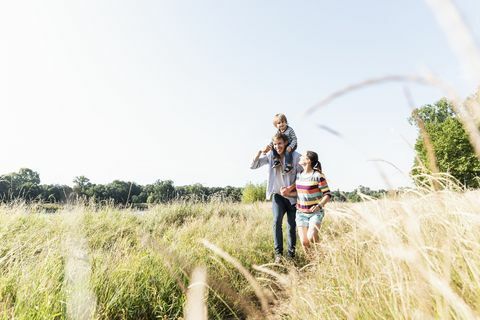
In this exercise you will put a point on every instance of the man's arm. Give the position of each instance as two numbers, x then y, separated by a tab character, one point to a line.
259	161
290	191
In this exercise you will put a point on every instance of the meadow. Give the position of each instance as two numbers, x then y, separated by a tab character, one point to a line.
413	256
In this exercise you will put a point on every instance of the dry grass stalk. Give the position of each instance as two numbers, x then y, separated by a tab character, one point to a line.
195	307
427	142
459	36
280	278
463	43
472	104
467	121
369	82
262	296
413	257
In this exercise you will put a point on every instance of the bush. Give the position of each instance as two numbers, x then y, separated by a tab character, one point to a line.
254	192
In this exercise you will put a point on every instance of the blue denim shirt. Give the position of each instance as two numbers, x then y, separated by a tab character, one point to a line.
287	178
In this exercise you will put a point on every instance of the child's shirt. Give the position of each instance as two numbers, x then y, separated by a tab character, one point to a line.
310	190
292	137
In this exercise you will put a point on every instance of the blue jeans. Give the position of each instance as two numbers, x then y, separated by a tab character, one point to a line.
288	156
280	206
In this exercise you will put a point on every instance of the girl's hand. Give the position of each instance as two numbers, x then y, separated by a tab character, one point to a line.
284	191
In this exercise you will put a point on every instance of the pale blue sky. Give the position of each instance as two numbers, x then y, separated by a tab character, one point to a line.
186	90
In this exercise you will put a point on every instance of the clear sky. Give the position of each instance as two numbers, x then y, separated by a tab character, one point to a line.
186	90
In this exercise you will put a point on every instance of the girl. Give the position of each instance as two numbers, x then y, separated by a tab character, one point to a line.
312	193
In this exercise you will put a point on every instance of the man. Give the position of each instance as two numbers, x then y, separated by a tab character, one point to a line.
280	204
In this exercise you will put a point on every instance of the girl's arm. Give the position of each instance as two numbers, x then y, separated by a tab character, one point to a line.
325	199
323	186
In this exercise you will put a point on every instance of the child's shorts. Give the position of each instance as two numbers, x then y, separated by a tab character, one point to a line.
305	219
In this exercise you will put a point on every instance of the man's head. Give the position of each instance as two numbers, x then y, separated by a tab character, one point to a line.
280	142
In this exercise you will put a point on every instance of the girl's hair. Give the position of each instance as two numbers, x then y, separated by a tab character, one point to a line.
313	157
279	117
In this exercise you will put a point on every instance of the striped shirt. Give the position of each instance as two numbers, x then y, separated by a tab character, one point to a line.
311	188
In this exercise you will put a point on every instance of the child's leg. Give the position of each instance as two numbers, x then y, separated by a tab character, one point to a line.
275	154
288	161
288	158
313	232
303	235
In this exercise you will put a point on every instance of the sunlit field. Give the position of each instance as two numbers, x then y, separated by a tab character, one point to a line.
413	256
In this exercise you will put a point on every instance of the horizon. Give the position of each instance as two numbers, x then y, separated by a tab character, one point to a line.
174	184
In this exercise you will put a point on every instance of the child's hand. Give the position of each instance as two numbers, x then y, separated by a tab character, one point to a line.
289	149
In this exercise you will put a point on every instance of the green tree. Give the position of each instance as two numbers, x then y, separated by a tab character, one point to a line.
21	185
53	193
118	191
82	186
254	192
453	152
197	192
160	191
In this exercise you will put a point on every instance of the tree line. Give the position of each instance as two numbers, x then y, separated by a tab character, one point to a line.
24	185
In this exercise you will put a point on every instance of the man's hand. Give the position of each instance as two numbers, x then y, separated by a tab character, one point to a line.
289	149
285	191
266	149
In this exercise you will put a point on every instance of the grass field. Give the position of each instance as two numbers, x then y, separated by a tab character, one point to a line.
417	256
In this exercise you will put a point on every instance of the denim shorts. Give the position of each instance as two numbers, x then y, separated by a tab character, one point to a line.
305	219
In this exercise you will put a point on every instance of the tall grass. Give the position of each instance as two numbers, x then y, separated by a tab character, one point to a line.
31	265
139	262
414	256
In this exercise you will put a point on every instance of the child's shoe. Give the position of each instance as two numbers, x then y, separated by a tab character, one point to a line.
276	163
288	168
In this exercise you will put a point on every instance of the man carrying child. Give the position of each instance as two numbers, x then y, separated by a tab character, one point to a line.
278	178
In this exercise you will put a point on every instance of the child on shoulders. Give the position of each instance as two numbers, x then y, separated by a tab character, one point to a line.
280	122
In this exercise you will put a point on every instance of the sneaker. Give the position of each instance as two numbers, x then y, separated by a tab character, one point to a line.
288	168
278	259
276	163
291	255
